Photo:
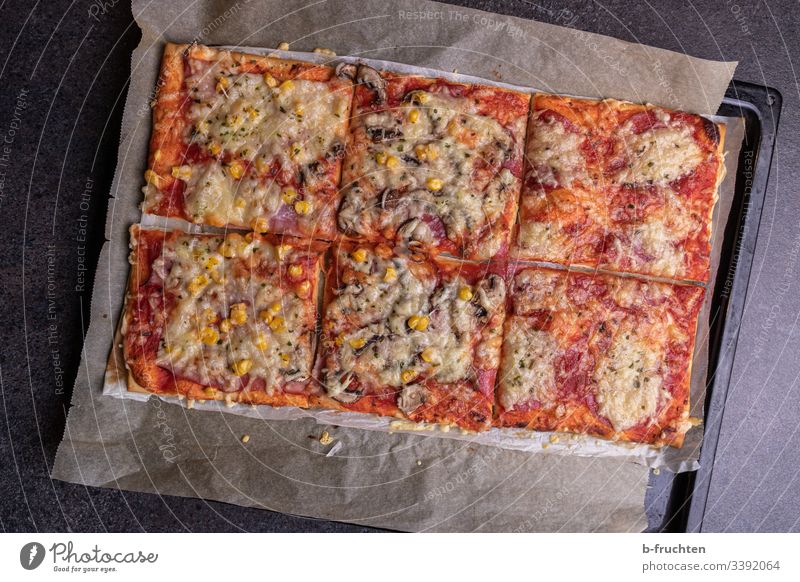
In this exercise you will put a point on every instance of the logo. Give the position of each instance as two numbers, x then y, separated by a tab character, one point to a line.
31	555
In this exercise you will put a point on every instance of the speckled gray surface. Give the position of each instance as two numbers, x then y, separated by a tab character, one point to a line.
63	79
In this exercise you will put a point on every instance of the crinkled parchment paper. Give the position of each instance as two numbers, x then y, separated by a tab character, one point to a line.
395	480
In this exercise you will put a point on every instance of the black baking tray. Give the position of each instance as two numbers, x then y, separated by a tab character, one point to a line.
677	503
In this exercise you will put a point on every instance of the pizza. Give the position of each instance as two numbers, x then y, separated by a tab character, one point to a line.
247	141
623	187
598	354
222	317
433	163
409	336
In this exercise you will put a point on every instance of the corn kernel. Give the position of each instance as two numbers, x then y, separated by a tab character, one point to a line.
422	324
359	255
275	307
381	158
413	321
285	358
277	324
265	315
422	152
299	111
209	392
390	275
225	326
271	81
238	314
422	97
428	355
287	85
227	249
295	270
432	152
157	155
236	169
392	162
197	284
214	148
357	343
261	342
407	376
240	202
209	336
339	339
181	172
151	177
211	262
288	195
260	225
242	367
262	165
302	207
303	289
283	250
252	113
209	315
434	184
413	115
465	293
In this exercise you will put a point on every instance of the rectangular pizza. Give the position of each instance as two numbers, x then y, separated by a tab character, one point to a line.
598	354
409	336
433	162
247	141
222	317
619	186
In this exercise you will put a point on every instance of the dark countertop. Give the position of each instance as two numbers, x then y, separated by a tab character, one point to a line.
63	82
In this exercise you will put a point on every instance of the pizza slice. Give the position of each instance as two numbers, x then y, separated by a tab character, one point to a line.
623	187
247	141
598	354
221	317
433	162
408	336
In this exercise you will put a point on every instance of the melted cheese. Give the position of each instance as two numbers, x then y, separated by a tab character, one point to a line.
555	154
658	156
206	289
629	381
254	128
376	343
444	143
528	371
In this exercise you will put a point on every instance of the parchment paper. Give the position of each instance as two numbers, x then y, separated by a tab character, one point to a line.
401	481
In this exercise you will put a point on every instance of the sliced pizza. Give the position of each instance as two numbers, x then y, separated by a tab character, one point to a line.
247	141
433	162
598	354
222	317
408	336
623	187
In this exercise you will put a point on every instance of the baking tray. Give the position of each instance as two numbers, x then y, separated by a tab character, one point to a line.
677	503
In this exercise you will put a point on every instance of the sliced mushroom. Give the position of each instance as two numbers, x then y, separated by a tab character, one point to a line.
391	198
411	397
373	80
378	134
491	293
346	71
